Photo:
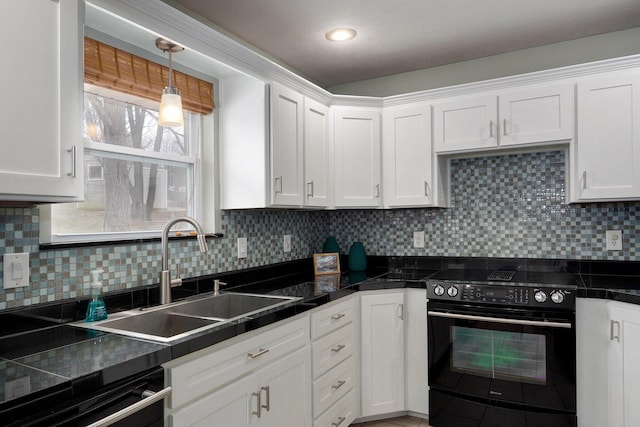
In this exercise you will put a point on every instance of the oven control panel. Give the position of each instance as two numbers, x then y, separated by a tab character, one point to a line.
501	294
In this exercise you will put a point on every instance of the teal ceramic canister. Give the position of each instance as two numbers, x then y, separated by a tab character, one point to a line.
357	257
330	246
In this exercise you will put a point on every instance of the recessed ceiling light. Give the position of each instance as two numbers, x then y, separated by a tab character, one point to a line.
340	34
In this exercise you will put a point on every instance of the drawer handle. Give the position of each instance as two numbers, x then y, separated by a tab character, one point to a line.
337	423
337	316
614	325
259	353
338	348
338	384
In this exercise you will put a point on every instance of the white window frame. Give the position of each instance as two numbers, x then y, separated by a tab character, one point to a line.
203	160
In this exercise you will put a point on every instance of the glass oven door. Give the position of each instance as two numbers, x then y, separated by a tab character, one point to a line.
512	356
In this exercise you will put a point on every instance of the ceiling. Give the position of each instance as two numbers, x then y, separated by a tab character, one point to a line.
395	36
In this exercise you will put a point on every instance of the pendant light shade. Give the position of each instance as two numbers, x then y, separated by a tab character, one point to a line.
170	113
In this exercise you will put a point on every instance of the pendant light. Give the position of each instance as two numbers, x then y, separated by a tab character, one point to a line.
170	113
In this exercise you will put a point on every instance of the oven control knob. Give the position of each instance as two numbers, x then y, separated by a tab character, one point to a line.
557	297
540	296
438	290
452	291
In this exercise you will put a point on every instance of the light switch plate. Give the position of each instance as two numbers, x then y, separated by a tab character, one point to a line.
242	247
16	270
287	243
418	239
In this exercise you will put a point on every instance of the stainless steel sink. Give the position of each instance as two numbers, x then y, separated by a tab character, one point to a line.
178	320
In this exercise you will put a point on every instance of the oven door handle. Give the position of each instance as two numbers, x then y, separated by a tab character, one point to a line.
501	320
132	409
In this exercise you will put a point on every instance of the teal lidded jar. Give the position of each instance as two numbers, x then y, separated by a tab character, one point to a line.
357	257
330	246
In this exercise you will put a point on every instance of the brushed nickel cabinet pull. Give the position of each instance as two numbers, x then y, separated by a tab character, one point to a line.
377	188
584	180
74	160
614	324
337	316
504	127
337	423
338	348
426	188
259	403
258	354
310	188
277	184
338	384
268	405
490	128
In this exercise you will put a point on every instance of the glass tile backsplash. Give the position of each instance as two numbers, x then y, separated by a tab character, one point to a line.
509	206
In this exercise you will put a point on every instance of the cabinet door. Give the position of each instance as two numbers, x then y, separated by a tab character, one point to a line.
41	155
406	154
465	124
540	114
592	345
417	382
286	146
357	158
608	140
286	388
624	369
317	155
233	405
382	352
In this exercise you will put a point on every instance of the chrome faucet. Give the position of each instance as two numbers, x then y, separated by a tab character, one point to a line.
165	275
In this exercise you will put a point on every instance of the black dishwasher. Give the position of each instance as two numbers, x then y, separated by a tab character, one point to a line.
134	401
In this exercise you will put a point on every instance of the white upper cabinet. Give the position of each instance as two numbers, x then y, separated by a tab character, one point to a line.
41	150
535	115
406	157
608	139
357	157
465	124
317	155
287	133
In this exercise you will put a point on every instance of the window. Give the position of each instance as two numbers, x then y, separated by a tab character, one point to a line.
138	175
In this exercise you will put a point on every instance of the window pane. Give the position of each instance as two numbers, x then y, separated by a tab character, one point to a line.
111	121
131	196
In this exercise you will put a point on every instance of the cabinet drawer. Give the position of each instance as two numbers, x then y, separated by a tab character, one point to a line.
339	415
208	370
332	318
330	387
328	351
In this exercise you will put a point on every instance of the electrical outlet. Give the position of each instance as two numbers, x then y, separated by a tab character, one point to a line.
614	240
16	270
286	243
242	247
418	239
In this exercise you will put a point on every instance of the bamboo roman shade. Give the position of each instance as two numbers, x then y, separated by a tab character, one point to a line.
109	67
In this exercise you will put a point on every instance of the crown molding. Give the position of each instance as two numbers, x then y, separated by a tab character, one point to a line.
171	23
545	76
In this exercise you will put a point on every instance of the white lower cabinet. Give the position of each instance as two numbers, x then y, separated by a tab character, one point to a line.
608	372
382	349
334	355
263	379
416	379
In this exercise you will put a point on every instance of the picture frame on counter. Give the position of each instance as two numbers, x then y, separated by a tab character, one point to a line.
328	263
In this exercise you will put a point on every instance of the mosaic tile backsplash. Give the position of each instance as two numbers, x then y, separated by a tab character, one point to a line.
509	206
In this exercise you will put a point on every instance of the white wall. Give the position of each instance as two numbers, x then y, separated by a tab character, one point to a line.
588	49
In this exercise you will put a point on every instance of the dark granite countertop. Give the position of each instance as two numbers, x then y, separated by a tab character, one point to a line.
45	358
